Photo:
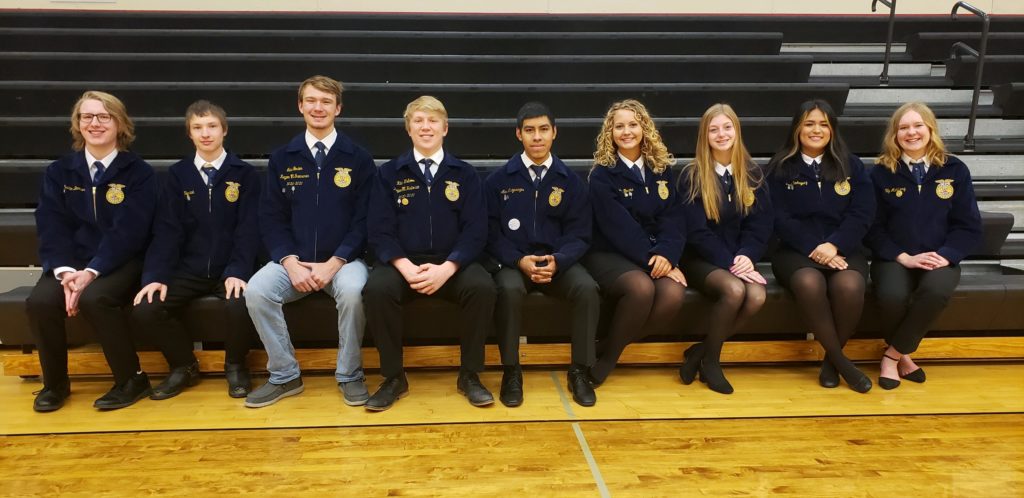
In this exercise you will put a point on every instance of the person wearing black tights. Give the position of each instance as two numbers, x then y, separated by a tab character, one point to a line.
728	220
637	239
927	221
824	204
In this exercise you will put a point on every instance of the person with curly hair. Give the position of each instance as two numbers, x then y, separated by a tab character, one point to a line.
728	218
927	221
638	237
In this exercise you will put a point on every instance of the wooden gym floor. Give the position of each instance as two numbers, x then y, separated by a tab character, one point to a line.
959	434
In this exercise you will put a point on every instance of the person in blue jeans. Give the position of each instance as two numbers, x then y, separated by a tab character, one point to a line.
313	222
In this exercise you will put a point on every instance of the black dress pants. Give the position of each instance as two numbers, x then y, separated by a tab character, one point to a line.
911	300
161	321
386	291
574	285
102	305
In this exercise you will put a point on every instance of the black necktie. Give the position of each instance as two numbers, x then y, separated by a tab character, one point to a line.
636	171
727	182
320	156
816	168
538	172
209	171
99	172
427	163
918	170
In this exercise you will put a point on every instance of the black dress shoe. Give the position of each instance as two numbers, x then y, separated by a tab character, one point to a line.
176	382
49	400
239	383
581	386
125	394
512	386
389	391
691	362
469	385
828	376
712	375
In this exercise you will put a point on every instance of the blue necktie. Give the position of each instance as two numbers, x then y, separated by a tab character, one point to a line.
817	170
538	173
427	163
320	156
209	171
918	170
727	182
99	172
636	171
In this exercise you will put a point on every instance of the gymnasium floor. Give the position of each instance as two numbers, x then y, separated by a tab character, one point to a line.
959	434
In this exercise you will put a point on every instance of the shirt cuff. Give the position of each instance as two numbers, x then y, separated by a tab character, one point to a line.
281	261
62	269
94	272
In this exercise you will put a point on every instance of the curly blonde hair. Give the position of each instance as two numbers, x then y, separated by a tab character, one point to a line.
701	173
935	151
652	149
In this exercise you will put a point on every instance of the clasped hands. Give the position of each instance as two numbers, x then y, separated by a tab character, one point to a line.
427	278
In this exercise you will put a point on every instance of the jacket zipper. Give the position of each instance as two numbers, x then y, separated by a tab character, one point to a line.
209	203
95	212
316	205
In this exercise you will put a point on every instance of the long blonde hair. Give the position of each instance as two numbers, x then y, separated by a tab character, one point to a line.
935	151
118	113
652	149
701	172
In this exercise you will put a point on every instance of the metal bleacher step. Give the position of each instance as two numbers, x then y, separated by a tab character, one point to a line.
946	102
847	52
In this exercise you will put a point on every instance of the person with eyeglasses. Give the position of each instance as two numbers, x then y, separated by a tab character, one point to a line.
428	226
824	205
926	223
93	220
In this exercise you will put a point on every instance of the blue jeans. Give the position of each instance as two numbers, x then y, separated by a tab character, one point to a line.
270	289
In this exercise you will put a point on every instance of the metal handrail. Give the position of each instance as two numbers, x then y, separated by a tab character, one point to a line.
980	54
884	77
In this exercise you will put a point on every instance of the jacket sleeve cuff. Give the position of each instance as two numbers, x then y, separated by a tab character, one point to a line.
952	255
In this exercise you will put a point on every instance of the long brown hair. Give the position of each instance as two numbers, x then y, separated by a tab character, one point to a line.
652	149
935	151
117	111
701	172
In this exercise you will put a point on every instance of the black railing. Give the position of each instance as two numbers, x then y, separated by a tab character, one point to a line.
961	47
884	77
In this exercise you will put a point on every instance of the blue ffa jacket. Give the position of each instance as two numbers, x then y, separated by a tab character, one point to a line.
448	220
204	232
316	215
808	214
942	217
555	219
637	220
100	227
734	234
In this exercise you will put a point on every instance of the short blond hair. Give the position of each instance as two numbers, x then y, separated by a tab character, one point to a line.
324	84
425	103
117	111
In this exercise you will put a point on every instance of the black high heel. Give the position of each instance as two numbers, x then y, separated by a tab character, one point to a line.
691	363
887	383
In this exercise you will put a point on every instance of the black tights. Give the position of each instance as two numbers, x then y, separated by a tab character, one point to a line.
735	301
831	304
639	299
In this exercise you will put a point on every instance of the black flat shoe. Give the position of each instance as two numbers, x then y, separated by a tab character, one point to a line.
885	382
691	363
176	382
581	387
512	386
239	382
125	394
828	377
915	376
49	400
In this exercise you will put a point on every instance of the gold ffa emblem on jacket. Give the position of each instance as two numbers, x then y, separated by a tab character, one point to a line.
343	178
451	191
663	189
748	199
231	191
843	187
944	189
115	193
556	196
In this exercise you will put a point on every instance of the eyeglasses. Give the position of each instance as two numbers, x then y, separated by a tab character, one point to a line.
87	118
